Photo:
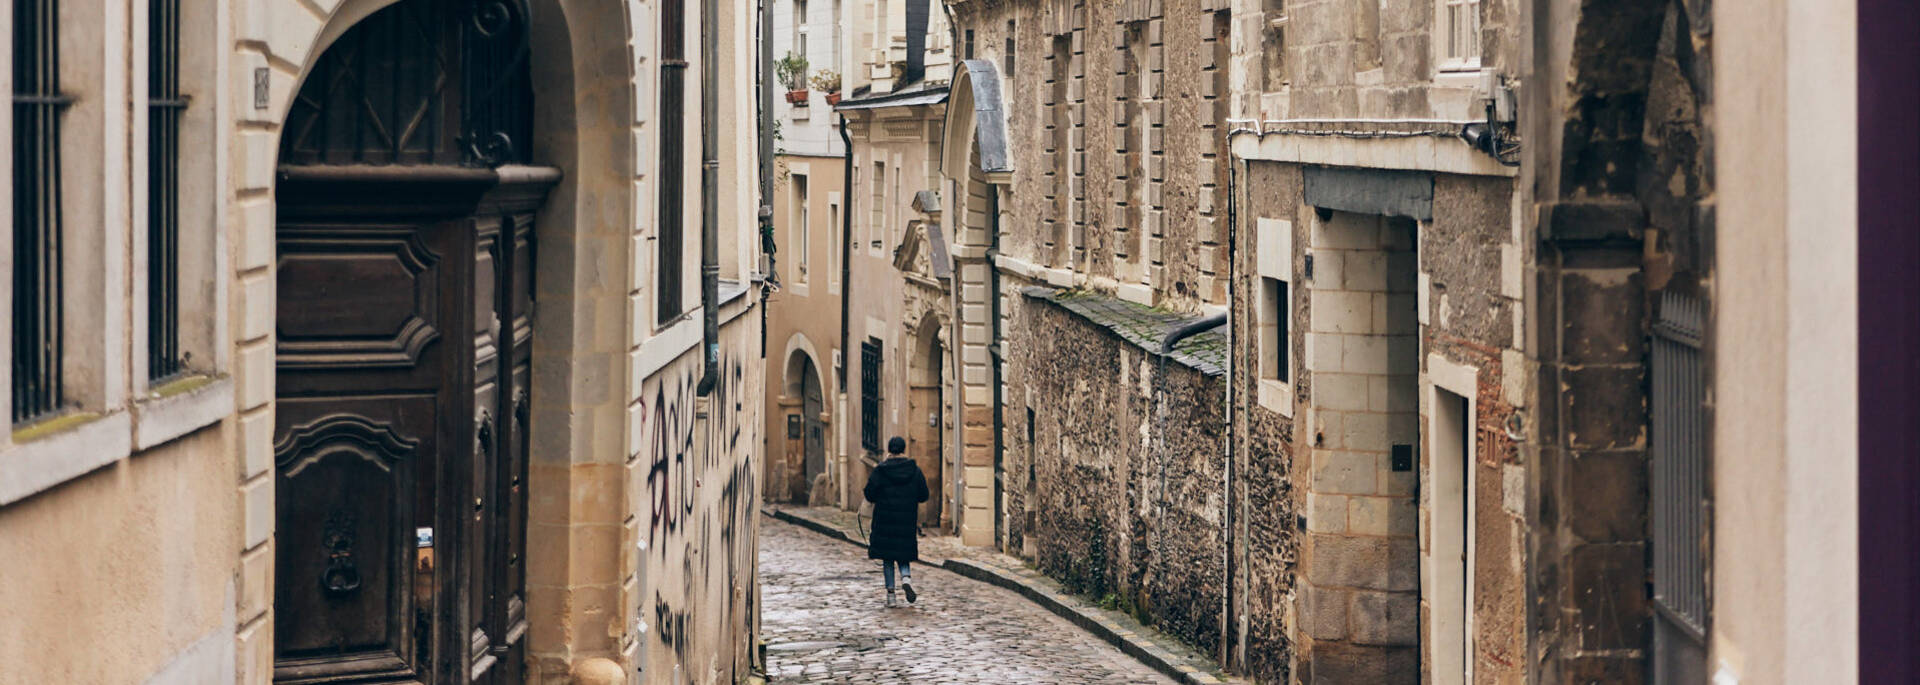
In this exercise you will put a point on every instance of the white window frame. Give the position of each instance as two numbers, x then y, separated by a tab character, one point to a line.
1273	242
834	219
800	232
1444	59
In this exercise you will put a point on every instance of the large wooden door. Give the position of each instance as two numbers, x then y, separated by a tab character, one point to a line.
404	360
403	351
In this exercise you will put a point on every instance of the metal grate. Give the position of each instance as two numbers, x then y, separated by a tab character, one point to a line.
164	108
1679	463
870	394
37	272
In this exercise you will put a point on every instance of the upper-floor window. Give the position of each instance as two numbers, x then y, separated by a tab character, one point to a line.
1459	39
802	229
1273	51
38	265
165	105
870	394
800	27
1006	66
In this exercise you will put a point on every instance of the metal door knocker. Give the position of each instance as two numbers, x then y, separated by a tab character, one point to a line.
342	576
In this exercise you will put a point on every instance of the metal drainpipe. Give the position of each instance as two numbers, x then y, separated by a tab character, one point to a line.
709	194
846	243
767	247
1235	544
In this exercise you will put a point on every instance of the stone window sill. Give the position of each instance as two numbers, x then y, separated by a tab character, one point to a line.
40	458
46	455
1277	397
181	407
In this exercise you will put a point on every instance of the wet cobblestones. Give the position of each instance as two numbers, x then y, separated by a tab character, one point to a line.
823	620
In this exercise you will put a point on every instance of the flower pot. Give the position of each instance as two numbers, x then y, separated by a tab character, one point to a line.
797	98
833	99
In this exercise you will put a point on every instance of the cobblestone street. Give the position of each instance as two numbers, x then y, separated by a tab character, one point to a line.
824	620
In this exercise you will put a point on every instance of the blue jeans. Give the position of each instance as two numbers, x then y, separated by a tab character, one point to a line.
906	572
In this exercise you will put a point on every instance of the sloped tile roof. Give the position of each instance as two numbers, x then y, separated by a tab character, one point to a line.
1142	326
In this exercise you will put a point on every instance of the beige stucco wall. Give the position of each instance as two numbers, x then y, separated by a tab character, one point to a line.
1785	573
138	556
804	317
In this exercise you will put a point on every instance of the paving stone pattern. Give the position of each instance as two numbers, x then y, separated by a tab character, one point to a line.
823	620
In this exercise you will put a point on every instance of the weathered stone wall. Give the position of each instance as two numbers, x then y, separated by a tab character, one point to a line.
1358	572
1264	442
1337	59
1475	312
1124	477
1627	211
1115	115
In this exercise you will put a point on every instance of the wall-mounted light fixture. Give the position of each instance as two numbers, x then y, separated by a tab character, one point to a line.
1495	136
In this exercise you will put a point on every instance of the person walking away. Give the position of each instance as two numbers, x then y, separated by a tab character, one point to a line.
896	488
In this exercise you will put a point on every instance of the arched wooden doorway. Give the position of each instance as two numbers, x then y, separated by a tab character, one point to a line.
405	239
808	449
926	402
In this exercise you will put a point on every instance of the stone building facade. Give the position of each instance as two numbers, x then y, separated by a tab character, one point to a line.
1476	262
899	341
1467	314
156	487
1084	147
809	205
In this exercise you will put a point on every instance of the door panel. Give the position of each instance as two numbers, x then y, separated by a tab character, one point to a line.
358	429
347	472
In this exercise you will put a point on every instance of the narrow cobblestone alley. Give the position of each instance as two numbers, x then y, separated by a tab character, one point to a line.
824	620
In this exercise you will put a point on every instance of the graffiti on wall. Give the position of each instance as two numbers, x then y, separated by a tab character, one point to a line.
698	506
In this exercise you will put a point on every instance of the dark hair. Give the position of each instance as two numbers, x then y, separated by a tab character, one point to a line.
896	445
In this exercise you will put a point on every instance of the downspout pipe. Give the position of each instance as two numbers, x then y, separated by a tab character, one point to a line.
764	71
1190	329
846	243
709	194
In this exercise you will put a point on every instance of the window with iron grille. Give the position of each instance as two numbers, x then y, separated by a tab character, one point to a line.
870	394
37	273
165	105
1679	485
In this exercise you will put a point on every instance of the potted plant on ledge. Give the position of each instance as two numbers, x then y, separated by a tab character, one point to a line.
827	81
792	73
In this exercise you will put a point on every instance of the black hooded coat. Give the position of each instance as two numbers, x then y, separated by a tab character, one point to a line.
896	488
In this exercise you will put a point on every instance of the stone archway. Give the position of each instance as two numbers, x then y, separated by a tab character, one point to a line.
806	455
927	414
574	119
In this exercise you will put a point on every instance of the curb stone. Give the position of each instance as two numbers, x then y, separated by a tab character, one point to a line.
1100	626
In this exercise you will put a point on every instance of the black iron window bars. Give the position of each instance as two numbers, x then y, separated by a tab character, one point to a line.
37	271
165	105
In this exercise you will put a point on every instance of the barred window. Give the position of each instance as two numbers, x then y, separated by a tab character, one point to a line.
37	106
164	108
870	394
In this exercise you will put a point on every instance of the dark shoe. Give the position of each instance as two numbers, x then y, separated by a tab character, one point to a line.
911	596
